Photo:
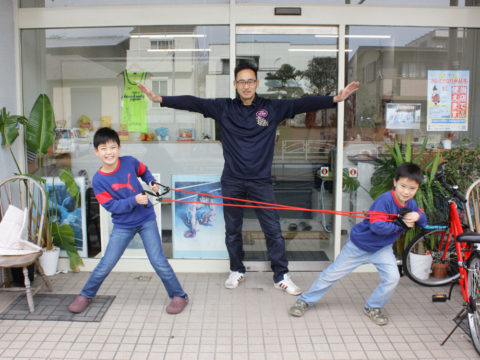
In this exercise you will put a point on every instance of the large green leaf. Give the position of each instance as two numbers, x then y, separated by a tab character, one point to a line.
41	125
64	237
9	126
67	177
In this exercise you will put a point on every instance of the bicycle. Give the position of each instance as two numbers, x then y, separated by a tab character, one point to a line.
448	243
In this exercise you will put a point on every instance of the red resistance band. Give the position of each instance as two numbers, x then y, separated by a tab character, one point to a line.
361	215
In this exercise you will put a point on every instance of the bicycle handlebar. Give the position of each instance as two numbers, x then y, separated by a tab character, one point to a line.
453	190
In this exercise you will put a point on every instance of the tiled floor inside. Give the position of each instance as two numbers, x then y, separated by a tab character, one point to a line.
250	322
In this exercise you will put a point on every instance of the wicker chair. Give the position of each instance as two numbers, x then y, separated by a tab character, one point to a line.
24	193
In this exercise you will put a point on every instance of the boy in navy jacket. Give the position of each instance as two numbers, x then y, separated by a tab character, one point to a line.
118	190
371	243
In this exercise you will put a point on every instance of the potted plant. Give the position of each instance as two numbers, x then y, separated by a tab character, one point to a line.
447	142
439	269
40	136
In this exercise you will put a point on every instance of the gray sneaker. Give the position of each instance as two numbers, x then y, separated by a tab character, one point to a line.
299	308
376	315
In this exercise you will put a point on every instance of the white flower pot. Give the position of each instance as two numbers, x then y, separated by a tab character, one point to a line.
49	260
420	265
447	144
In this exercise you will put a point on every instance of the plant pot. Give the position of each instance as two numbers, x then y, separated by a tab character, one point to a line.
420	265
49	260
447	144
439	270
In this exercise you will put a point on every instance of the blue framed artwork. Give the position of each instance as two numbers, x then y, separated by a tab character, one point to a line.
199	227
63	208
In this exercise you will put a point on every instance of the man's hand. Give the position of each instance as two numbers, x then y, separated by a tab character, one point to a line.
345	93
150	94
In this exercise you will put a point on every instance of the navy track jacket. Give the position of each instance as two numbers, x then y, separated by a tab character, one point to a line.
248	132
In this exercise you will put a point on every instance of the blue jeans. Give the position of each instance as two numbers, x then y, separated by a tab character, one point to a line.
348	260
256	190
119	240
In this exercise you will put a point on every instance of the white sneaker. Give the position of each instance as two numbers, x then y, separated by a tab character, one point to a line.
288	285
234	279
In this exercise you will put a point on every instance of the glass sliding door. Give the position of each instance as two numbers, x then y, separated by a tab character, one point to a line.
296	61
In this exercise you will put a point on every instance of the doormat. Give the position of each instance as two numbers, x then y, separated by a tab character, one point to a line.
54	307
291	256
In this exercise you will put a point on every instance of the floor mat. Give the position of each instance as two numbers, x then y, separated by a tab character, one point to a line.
54	307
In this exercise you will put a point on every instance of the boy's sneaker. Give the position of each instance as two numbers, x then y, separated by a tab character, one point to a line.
376	315
79	304
177	304
299	308
234	279
288	285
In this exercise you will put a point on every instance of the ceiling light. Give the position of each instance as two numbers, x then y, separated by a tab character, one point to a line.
177	50
318	50
357	36
167	36
286	30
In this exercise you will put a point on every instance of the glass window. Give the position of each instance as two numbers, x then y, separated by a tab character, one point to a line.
74	3
369	2
417	90
296	61
90	75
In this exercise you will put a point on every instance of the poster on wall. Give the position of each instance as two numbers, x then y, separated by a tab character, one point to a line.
63	209
134	250
402	116
198	229
447	100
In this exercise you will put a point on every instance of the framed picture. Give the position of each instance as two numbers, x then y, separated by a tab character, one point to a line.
135	249
63	141
198	228
62	207
402	116
186	135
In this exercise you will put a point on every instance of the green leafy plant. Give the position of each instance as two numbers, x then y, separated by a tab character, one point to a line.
462	164
9	125
382	181
40	136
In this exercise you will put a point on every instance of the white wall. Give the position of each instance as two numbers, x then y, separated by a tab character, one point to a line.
8	89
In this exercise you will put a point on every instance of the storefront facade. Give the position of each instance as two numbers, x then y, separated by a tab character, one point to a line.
83	58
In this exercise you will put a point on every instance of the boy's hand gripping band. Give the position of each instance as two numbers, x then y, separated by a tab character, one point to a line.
399	218
158	195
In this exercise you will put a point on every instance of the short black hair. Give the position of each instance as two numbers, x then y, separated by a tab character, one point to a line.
104	135
410	171
244	65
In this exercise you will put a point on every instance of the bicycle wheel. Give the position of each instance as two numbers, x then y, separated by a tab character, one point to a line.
473	283
425	249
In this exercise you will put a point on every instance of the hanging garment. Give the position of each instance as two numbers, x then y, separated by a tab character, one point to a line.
134	103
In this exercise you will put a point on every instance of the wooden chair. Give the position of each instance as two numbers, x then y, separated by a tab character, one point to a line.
24	193
473	206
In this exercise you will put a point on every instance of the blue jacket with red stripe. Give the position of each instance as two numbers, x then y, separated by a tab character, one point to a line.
374	233
116	192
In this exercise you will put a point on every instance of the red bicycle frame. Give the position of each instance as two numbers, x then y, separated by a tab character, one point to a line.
463	250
